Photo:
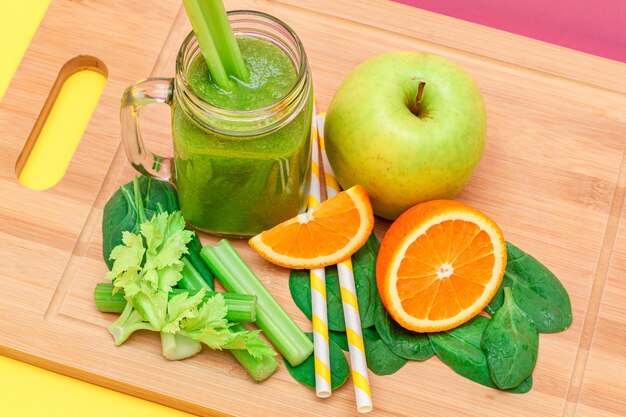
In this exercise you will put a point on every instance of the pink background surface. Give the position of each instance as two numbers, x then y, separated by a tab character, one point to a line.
597	27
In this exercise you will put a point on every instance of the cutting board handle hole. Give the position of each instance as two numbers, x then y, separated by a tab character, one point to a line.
61	123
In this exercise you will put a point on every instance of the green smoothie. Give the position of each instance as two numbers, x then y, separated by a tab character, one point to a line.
240	186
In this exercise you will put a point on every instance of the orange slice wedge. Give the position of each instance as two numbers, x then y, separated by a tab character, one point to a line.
439	265
325	235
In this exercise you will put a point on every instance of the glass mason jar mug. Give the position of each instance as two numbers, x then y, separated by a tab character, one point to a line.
237	172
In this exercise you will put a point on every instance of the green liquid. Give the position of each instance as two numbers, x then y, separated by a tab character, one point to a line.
242	186
272	75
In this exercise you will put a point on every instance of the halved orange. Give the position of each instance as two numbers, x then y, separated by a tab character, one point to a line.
325	235
439	265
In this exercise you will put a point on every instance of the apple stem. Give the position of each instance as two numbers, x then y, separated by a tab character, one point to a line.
415	109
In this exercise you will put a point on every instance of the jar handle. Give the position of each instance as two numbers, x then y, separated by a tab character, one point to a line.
148	91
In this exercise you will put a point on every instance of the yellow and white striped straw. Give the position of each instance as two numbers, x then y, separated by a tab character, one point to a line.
358	362
318	287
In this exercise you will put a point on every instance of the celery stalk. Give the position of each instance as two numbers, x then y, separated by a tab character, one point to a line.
224	39
241	307
177	347
217	41
276	324
191	277
208	48
258	369
126	324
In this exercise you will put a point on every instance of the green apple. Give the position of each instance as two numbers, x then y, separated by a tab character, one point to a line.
404	149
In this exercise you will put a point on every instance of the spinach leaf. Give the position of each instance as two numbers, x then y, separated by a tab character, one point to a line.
402	342
536	290
511	344
122	214
524	387
119	215
340	338
158	195
305	372
364	266
460	349
380	359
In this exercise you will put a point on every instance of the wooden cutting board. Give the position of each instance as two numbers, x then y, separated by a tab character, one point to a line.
553	177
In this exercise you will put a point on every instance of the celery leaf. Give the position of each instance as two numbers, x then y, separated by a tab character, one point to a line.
152	307
213	337
168	277
127	256
250	341
211	314
181	307
166	238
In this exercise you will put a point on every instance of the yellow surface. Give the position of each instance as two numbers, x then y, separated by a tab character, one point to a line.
29	391
19	21
63	130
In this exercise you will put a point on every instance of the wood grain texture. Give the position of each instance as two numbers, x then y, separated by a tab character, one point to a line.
550	177
603	391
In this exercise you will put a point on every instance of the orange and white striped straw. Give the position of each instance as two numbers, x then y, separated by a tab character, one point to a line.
318	287
358	362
